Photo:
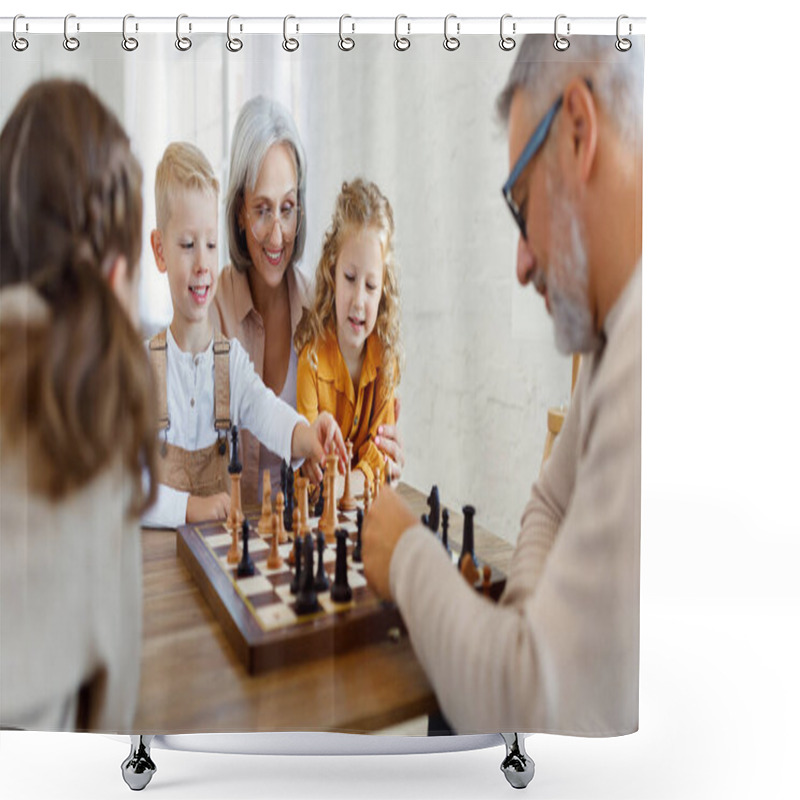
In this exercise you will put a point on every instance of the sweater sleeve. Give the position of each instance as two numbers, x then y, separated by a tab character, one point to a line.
560	653
256	407
307	392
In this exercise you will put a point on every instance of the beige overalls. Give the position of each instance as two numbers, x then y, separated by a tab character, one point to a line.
200	472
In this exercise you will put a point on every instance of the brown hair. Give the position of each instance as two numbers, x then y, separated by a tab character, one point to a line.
77	388
360	204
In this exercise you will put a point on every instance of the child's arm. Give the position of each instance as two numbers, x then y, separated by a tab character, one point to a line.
312	442
169	509
370	456
307	390
215	506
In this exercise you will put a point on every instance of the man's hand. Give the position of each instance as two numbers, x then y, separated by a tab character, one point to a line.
388	441
388	519
313	442
215	506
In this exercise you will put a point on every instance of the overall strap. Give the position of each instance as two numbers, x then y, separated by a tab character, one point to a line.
222	383
158	359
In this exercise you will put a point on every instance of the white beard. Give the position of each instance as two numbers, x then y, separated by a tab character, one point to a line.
568	278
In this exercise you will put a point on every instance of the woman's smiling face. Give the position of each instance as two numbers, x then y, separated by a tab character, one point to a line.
269	214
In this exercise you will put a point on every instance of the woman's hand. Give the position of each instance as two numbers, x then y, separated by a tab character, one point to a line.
313	442
389	442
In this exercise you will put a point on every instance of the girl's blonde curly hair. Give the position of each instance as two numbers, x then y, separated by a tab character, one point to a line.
360	204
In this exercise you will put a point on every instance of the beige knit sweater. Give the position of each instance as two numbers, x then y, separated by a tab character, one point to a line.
70	594
560	652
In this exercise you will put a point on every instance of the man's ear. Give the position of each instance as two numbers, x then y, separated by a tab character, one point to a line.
157	243
580	118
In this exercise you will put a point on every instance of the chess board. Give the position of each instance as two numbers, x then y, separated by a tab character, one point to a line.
258	613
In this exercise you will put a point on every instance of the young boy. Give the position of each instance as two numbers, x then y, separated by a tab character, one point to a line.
204	382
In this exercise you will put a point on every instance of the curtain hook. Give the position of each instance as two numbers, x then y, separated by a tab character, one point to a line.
507	42
401	43
623	45
129	43
451	42
70	42
345	42
183	43
19	43
290	44
561	43
234	45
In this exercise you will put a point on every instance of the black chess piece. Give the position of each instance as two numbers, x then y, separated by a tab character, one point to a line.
307	602
234	466
319	508
294	586
321	584
341	591
288	499
357	550
425	520
246	567
433	504
445	528
468	540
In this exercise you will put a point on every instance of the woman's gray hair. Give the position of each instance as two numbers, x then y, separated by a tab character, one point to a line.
261	123
617	77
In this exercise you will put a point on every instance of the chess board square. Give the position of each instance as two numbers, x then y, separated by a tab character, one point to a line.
285	593
356	580
329	606
282	577
216	540
264	599
276	616
253	585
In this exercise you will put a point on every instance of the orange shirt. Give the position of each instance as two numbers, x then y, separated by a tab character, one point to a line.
328	387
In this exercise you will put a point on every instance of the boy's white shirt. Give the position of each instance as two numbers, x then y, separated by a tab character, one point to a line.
190	406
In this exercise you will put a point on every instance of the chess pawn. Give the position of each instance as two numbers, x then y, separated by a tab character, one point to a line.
279	511
487	580
367	497
234	554
347	501
265	521
274	560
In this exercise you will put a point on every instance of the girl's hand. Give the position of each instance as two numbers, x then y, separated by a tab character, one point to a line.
313	442
389	442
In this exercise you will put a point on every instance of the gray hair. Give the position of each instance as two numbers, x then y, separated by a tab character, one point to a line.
617	77
261	123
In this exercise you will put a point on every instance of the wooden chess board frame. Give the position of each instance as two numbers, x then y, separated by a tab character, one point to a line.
332	631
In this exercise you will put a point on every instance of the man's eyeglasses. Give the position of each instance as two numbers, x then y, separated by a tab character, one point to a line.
533	146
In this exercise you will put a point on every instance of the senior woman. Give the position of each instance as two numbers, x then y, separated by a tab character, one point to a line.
261	294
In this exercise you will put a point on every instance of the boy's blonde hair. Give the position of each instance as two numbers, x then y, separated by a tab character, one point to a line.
183	166
360	204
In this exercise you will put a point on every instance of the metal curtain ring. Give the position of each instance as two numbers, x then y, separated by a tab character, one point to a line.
19	43
70	42
345	42
507	42
623	45
234	45
290	44
451	42
129	43
401	42
183	43
560	42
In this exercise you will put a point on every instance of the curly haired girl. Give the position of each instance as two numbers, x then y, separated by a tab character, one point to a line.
349	340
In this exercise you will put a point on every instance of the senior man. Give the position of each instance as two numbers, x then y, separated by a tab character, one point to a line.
560	651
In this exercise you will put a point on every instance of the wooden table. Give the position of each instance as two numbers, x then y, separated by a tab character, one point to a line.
192	682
